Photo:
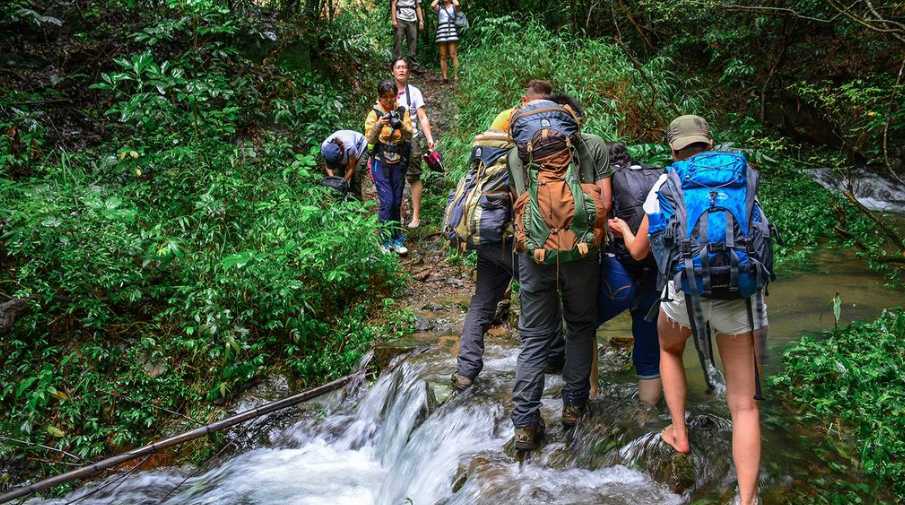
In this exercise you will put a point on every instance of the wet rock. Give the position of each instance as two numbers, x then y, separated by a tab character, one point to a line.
432	306
386	353
423	324
622	342
453	281
674	469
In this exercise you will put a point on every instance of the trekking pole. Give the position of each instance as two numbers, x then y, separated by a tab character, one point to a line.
179	439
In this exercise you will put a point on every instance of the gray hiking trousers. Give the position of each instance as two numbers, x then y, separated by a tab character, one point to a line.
495	270
539	293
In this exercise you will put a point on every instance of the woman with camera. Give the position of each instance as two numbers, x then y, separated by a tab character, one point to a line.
447	36
411	98
387	128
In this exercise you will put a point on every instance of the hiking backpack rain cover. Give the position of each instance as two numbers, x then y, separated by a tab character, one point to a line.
712	238
557	218
479	211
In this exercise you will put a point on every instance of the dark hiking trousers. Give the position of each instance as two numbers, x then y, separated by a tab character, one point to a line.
495	270
407	30
540	289
389	180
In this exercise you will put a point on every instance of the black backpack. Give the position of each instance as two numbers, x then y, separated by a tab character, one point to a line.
631	185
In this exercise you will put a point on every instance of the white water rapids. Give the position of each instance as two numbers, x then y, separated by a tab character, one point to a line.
392	449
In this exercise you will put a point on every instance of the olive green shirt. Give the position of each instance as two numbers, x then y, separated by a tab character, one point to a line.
593	163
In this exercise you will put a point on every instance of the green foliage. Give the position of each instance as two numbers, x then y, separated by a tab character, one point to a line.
859	109
191	250
616	101
852	378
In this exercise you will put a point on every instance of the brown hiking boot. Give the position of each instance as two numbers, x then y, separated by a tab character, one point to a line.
527	438
461	382
571	414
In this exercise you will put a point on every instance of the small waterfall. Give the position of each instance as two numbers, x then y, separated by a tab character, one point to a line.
877	191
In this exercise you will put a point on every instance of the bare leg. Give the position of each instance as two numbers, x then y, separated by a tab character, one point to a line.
672	374
443	59
649	390
736	352
416	202
595	373
454	53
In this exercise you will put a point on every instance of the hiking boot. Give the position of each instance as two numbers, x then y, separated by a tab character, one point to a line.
461	382
527	438
571	414
386	247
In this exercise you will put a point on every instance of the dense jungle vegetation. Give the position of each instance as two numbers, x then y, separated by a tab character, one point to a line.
164	240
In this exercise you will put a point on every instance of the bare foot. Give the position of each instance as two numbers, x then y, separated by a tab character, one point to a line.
668	436
594	394
414	224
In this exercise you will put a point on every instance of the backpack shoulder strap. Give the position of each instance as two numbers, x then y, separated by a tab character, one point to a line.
408	96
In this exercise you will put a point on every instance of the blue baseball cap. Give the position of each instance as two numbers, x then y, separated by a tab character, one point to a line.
331	153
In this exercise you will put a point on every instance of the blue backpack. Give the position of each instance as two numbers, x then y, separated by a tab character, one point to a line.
714	240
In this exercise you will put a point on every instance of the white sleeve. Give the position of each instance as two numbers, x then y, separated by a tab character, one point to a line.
652	202
417	99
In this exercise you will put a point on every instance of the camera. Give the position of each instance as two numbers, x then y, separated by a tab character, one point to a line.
394	120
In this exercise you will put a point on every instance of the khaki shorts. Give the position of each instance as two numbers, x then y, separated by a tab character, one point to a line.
725	316
413	172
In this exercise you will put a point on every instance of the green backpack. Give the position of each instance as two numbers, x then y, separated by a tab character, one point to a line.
558	219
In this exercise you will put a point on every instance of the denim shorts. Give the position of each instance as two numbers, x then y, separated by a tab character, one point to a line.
620	291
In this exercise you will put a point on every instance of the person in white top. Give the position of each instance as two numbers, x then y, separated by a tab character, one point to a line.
411	97
407	20
345	155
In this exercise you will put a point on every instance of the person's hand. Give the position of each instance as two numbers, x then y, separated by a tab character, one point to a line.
383	121
618	227
395	24
330	172
421	24
430	144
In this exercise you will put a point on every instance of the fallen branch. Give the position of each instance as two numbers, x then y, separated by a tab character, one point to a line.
644	76
885	228
178	439
631	19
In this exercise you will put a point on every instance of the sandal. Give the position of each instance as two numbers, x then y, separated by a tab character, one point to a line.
443	82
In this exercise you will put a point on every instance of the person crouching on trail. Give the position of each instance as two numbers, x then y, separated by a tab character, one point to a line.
411	97
387	128
708	227
628	273
346	155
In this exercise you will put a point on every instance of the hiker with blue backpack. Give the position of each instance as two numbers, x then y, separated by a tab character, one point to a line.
628	273
387	128
556	181
713	247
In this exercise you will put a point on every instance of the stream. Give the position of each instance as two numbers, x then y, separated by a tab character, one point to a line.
406	439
